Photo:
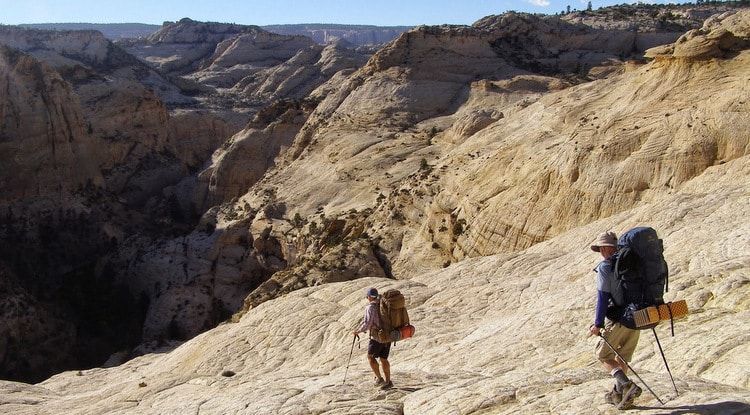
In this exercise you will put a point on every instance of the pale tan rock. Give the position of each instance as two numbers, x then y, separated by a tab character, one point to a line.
300	75
245	157
86	45
45	150
180	46
83	56
720	36
500	334
245	54
194	135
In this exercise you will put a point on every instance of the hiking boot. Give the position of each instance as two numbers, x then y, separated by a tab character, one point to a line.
379	381
613	397
630	391
387	385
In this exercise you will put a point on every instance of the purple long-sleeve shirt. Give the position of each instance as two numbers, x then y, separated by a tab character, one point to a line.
372	317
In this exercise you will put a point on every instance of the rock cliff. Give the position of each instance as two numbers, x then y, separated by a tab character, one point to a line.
45	150
89	151
299	76
244	63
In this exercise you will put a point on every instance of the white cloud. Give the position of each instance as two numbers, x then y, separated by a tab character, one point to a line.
539	3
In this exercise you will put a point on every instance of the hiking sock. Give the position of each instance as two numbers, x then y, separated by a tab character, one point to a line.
620	378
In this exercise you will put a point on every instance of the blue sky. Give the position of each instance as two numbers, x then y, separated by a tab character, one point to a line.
264	12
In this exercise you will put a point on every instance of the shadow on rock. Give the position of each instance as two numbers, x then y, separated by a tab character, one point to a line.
727	408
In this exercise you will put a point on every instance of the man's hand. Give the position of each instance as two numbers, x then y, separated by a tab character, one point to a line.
355	333
594	331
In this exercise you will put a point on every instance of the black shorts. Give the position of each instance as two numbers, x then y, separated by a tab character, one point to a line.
380	350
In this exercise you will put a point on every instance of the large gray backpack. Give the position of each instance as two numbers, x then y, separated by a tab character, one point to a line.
641	273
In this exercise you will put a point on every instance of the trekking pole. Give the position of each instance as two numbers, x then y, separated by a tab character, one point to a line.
631	369
355	338
665	361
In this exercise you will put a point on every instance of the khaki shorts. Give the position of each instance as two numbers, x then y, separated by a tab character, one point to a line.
621	338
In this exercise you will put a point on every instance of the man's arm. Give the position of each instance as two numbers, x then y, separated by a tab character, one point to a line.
603	296
602	302
367	322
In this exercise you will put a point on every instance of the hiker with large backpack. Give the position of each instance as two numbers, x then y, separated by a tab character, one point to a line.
376	349
615	335
631	281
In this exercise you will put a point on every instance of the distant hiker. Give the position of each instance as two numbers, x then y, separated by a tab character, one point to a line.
622	338
375	349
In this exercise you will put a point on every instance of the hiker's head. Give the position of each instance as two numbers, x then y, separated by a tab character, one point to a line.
605	243
371	293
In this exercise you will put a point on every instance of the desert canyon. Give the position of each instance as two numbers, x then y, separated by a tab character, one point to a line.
188	220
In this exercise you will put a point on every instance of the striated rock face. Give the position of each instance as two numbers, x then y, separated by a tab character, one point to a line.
474	176
45	150
510	187
193	42
122	108
426	156
83	57
215	54
245	54
575	43
245	157
86	45
299	76
245	63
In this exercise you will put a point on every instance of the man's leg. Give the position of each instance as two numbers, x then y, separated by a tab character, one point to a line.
625	341
612	364
373	351
386	369
374	366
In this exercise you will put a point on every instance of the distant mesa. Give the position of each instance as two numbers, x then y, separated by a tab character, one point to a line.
357	35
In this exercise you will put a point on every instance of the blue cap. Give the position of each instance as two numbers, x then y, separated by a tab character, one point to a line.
372	292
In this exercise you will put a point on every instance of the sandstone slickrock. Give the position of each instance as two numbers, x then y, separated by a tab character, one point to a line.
461	210
720	36
192	40
500	334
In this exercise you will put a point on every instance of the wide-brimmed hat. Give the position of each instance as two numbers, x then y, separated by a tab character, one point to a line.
604	239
